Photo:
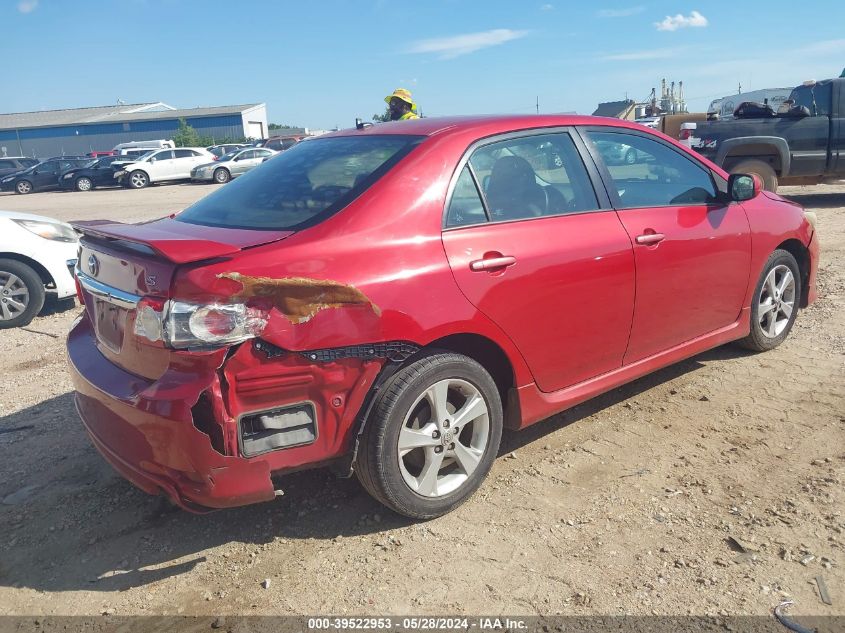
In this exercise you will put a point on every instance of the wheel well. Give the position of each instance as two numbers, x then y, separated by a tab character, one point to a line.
762	152
42	272
802	256
487	353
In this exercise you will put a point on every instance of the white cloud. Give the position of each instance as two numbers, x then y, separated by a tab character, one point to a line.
457	45
680	21
547	7
620	13
27	6
649	53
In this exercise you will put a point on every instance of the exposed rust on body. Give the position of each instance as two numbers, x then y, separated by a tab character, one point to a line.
300	298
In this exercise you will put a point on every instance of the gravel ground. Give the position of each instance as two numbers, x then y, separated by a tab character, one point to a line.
625	504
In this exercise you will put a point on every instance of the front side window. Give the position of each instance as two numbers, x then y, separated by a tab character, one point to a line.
165	155
302	186
7	164
647	173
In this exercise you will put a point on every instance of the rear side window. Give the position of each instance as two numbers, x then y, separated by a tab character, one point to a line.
521	178
647	173
7	164
302	186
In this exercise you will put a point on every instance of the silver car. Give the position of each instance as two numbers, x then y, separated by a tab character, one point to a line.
231	165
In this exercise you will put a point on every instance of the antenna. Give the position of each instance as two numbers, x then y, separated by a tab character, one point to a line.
538	104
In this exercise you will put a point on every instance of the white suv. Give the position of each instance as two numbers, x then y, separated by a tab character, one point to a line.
162	165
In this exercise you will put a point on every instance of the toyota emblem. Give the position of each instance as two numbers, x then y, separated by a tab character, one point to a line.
93	265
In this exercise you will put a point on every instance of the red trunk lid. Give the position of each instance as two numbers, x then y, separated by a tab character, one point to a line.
121	263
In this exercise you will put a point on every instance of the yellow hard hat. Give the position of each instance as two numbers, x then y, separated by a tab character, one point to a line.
405	95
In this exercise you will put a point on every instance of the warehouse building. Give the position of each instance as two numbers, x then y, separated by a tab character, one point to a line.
83	130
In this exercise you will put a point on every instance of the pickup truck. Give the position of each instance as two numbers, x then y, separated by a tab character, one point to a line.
803	144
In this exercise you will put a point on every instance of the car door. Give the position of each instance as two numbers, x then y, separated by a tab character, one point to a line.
184	161
45	176
539	251
161	166
692	246
242	162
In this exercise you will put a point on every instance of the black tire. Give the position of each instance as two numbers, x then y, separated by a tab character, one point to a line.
83	183
759	339
23	187
221	175
28	279
378	463
137	179
630	157
764	170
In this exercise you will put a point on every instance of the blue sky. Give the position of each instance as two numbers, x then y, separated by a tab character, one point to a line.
324	62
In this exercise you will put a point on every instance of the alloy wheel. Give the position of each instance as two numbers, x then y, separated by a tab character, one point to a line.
14	296
24	187
443	437
776	301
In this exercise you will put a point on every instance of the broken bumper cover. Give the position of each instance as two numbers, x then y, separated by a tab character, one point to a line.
145	430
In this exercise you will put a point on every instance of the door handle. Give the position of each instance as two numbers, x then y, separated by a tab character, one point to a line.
491	263
650	238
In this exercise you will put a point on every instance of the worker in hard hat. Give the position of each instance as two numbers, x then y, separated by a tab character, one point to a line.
401	106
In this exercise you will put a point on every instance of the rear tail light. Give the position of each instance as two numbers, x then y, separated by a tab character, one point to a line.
183	325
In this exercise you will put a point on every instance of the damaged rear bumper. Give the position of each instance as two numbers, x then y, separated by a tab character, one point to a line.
146	429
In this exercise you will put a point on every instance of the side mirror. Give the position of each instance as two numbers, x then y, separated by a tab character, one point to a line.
153	159
743	187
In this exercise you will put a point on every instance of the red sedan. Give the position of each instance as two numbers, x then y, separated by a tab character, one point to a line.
385	300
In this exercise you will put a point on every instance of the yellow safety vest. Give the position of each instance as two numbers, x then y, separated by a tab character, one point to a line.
409	115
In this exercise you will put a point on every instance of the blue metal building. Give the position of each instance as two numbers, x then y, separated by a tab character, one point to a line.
83	130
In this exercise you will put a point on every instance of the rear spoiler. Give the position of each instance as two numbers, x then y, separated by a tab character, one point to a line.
177	242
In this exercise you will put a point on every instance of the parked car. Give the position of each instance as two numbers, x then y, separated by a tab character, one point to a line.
41	177
618	153
800	145
231	165
161	166
132	146
99	173
37	257
281	143
386	300
13	164
220	150
649	121
101	154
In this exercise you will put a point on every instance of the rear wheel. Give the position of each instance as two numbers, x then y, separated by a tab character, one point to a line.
775	303
630	157
84	183
432	436
23	187
764	170
221	175
21	294
138	179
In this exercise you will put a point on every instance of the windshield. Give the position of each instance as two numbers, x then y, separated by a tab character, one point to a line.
138	159
303	186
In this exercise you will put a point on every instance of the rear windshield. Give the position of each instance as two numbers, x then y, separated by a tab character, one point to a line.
302	186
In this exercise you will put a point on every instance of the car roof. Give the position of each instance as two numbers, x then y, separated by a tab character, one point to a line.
483	124
17	215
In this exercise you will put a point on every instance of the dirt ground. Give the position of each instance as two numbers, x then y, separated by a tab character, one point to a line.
623	505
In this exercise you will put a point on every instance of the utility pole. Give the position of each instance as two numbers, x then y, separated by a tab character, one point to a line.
538	104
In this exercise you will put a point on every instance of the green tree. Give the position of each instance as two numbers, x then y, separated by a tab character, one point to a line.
186	136
382	118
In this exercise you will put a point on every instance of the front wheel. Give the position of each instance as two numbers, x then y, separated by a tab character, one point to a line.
432	436
764	170
221	175
23	187
138	179
21	294
775	303
630	157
